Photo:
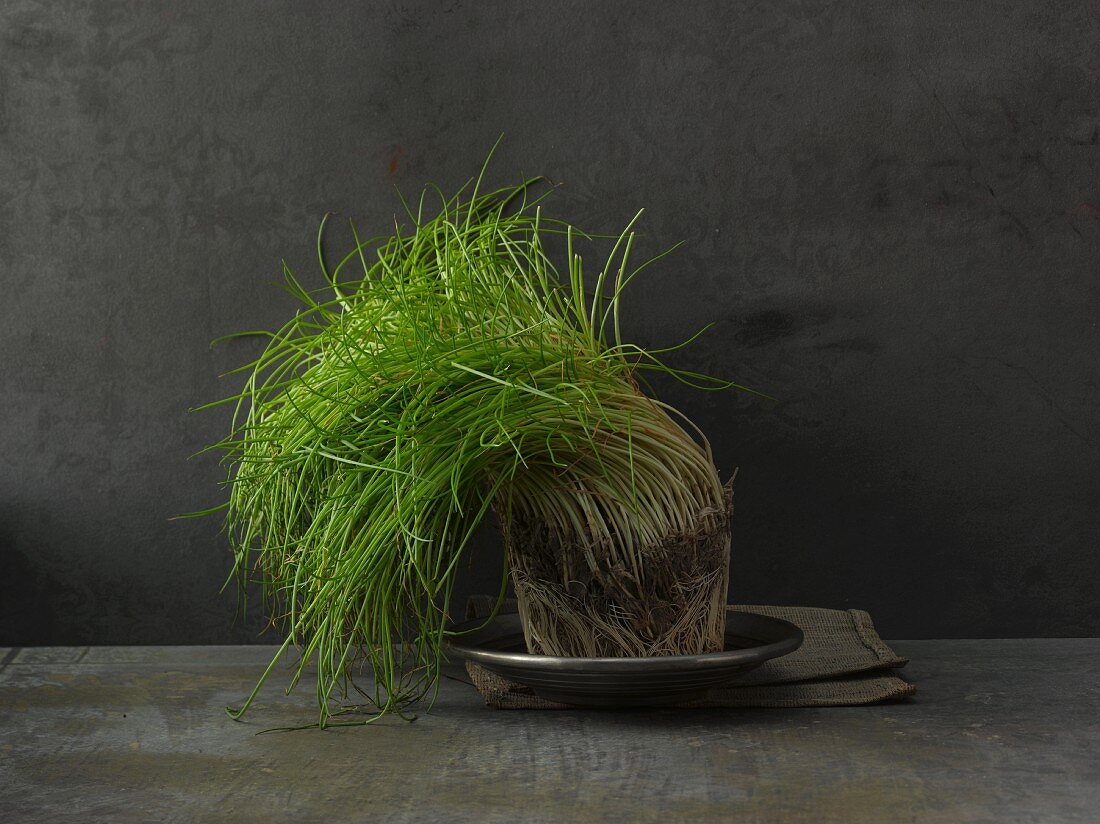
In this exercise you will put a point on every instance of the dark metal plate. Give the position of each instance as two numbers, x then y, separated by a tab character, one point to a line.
624	682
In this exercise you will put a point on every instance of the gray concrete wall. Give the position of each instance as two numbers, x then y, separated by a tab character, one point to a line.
890	213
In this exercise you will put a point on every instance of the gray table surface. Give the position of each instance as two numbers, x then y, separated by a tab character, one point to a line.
999	731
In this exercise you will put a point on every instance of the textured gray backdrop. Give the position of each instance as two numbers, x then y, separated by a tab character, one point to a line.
891	213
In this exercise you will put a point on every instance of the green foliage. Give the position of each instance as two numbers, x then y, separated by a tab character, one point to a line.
455	371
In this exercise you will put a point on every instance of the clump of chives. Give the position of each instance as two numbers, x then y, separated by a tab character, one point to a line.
458	371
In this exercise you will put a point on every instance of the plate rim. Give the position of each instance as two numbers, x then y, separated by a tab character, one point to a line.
791	639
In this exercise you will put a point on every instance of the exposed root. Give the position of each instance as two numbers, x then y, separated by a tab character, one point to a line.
579	600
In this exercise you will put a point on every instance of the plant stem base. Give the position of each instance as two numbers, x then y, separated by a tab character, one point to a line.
576	602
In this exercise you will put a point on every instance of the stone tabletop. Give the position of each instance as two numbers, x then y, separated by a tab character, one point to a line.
999	731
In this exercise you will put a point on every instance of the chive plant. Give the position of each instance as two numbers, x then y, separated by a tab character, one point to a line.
455	371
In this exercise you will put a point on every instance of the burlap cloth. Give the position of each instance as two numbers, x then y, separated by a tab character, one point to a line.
842	663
